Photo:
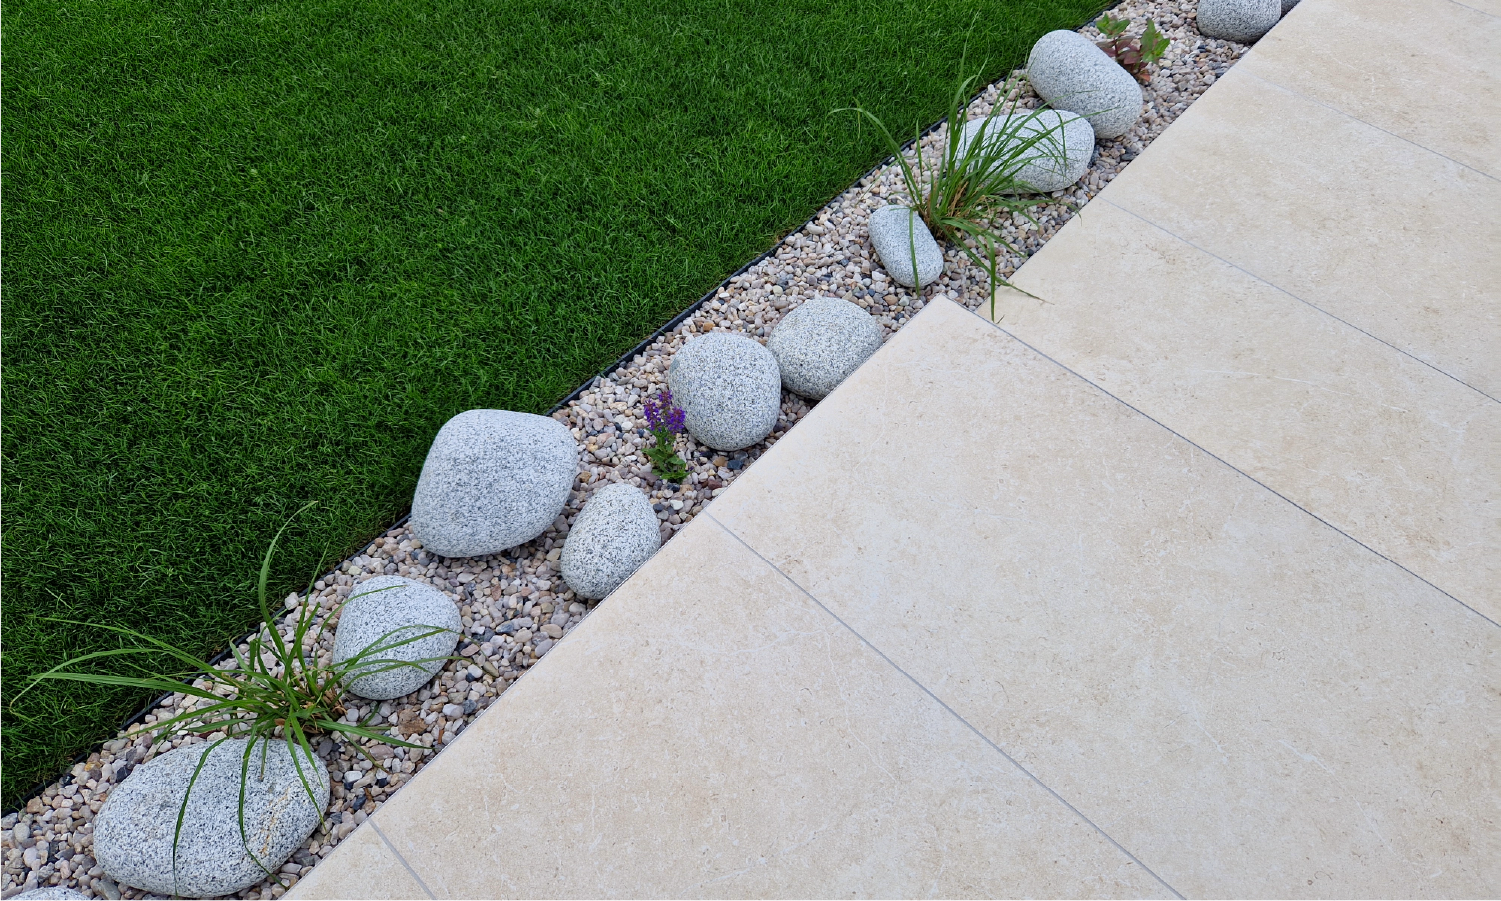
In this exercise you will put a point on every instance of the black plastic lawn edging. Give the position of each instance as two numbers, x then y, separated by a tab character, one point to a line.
591	382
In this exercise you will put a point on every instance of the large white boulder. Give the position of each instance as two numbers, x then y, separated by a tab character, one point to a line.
383	612
1072	74
133	834
614	534
1063	144
820	343
1241	21
729	389
897	233
493	479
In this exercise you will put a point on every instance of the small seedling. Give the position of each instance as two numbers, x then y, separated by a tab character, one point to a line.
1133	54
666	423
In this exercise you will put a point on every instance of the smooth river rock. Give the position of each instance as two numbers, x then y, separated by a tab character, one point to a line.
386	610
1058	159
133	832
1072	74
493	479
820	343
616	533
895	232
729	388
1241	21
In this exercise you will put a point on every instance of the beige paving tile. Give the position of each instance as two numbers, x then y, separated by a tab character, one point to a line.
1425	70
1394	453
711	732
363	867
1388	236
1251	702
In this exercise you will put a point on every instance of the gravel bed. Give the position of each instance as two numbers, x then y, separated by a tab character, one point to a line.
514	605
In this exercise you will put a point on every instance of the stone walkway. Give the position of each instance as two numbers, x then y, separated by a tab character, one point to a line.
1185	582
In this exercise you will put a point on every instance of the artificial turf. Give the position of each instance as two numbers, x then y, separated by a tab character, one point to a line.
256	253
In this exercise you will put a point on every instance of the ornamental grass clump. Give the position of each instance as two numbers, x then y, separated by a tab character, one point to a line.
276	688
961	193
666	422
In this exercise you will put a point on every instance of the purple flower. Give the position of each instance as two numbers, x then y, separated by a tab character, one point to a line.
661	415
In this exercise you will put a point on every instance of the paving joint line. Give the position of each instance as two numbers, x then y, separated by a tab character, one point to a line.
1218	459
1354	118
941	703
1474	9
1311	305
403	860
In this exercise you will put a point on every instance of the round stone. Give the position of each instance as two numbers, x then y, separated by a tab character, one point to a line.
382	613
133	834
729	388
493	479
1072	74
820	343
1064	145
1241	21
610	539
896	233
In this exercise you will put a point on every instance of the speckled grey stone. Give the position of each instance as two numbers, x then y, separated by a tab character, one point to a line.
1241	21
610	539
50	893
820	343
729	388
133	832
493	479
1065	145
894	242
1072	74
390	609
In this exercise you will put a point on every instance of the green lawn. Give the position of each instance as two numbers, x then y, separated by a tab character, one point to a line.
255	253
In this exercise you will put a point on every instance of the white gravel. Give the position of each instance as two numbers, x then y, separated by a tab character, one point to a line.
521	591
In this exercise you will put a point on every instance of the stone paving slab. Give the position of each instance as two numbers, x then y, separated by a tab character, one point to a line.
1426	71
1386	235
1246	699
1378	444
1275	273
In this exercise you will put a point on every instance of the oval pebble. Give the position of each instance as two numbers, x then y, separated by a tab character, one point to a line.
1072	74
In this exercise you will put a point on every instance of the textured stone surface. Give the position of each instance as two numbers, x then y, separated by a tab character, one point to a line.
134	830
729	388
1072	74
1242	21
1065	143
492	480
390	609
50	893
612	537
1303	734
894	242
821	342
